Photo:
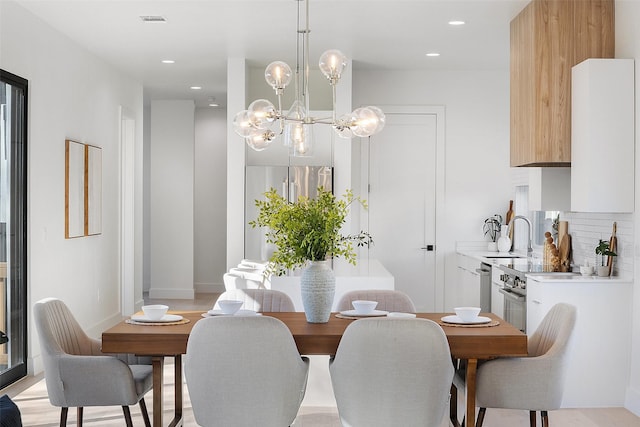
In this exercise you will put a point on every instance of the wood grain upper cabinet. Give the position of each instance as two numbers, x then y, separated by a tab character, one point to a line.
548	38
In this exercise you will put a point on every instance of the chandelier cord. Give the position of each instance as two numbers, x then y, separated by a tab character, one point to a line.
305	58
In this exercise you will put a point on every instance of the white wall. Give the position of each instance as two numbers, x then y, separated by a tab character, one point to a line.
210	204
72	94
476	106
236	101
628	46
172	199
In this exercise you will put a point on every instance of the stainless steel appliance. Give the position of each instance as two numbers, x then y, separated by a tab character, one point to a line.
515	297
290	182
514	288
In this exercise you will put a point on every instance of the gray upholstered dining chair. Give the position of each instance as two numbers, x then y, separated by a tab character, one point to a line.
78	374
388	300
244	371
260	300
533	383
392	372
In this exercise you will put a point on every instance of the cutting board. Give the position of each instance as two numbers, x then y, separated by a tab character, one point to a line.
613	247
565	253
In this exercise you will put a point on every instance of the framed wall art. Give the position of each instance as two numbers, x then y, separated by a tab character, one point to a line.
83	189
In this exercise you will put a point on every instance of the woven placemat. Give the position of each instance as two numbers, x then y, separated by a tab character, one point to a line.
476	325
177	322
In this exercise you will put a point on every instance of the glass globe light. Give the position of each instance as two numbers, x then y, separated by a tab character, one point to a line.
332	63
366	122
259	140
278	75
381	118
242	124
262	113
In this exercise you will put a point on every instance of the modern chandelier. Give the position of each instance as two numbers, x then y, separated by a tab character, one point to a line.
262	122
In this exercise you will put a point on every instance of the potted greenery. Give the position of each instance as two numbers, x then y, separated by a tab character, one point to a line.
491	228
306	233
603	250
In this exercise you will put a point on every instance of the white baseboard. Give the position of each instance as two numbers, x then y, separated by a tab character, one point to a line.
632	400
35	365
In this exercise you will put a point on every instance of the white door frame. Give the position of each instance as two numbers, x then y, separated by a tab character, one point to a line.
127	212
439	112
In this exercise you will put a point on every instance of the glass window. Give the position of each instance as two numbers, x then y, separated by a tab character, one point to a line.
13	228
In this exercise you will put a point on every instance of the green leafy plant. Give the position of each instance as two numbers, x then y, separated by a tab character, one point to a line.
308	229
492	227
603	250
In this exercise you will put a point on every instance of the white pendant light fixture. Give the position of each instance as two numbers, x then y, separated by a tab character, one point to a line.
263	121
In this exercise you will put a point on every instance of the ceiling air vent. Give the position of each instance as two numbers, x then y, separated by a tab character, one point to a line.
153	19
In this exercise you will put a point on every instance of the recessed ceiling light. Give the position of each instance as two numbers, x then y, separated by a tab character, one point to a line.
168	61
433	54
196	87
213	103
153	19
456	22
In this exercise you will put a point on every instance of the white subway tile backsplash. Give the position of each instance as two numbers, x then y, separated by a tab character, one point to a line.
587	228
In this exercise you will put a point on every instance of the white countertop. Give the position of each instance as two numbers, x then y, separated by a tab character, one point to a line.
497	259
576	279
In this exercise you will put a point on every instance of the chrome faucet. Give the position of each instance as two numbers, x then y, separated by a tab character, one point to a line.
529	247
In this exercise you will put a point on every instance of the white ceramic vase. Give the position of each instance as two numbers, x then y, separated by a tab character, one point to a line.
317	288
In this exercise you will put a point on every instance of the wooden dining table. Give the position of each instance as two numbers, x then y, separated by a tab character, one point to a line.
161	341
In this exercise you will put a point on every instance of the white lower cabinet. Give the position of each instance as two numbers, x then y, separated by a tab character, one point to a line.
598	365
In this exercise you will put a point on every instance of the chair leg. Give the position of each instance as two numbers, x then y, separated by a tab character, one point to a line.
532	418
480	420
80	412
63	417
545	418
127	416
145	413
453	406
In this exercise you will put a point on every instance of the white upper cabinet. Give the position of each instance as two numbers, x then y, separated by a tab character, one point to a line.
602	136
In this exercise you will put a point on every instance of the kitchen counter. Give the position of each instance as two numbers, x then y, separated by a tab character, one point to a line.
492	258
577	278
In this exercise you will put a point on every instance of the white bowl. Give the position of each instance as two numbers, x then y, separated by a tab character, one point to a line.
467	314
587	270
230	306
364	307
155	312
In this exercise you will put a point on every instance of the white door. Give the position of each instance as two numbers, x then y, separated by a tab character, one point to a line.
402	203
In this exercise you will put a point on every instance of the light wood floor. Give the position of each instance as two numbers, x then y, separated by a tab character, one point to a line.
30	395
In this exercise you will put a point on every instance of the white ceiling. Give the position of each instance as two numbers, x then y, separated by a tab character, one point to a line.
201	34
